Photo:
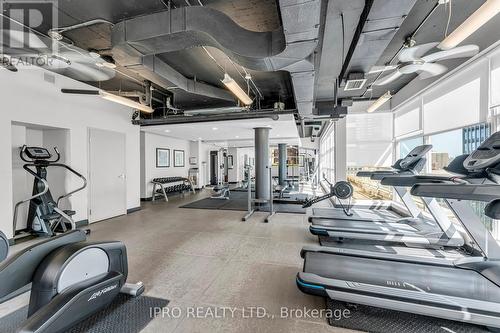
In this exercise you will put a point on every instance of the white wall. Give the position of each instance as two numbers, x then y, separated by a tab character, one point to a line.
28	98
201	151
152	141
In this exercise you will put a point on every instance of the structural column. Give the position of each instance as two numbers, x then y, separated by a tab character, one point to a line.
262	184
282	153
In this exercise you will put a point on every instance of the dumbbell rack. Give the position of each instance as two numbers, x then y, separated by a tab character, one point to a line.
161	187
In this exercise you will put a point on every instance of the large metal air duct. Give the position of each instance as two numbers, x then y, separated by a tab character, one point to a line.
138	41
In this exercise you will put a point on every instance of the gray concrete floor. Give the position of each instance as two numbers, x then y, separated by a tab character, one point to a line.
210	259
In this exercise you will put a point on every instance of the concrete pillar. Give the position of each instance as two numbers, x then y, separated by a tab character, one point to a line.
282	153
262	185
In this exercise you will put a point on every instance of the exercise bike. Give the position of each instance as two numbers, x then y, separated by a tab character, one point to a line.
341	190
70	279
45	217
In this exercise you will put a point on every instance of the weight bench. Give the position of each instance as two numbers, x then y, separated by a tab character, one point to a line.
160	187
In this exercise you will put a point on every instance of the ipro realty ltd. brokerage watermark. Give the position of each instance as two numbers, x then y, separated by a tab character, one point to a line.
249	312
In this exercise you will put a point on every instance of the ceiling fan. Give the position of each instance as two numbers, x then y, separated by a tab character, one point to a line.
414	60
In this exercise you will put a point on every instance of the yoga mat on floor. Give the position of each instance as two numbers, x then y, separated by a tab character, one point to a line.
240	204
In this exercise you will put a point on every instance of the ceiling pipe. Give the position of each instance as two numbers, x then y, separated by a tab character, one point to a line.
355	39
275	115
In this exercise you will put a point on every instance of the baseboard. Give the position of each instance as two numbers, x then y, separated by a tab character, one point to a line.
133	210
146	199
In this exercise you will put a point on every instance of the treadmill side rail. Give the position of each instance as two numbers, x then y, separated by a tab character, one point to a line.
445	261
417	302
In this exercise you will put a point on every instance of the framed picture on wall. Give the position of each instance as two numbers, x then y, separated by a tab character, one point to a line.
178	158
162	158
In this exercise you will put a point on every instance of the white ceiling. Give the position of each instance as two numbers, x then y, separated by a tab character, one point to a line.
232	133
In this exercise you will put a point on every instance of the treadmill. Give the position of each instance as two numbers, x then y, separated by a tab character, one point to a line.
462	287
411	164
419	231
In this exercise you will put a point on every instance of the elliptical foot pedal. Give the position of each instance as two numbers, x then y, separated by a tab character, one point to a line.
133	289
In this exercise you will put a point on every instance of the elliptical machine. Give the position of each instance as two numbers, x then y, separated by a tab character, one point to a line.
45	217
70	279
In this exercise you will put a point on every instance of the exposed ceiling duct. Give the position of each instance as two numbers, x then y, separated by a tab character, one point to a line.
137	41
202	118
380	21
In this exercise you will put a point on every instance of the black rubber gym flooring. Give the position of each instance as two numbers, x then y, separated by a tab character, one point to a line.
377	320
238	201
125	315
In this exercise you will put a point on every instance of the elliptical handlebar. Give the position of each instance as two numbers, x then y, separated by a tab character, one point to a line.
79	175
58	156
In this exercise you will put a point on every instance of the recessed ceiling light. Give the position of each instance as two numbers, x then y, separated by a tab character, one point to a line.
237	137
214	128
200	139
167	131
277	135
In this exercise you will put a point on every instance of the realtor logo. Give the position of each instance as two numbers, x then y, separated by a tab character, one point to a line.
24	26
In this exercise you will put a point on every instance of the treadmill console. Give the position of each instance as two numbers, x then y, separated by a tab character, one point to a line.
493	209
37	153
414	156
487	155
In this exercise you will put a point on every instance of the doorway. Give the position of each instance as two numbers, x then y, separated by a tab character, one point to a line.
107	175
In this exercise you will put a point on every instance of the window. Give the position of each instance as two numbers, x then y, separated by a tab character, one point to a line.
494	119
327	155
405	146
445	147
369	148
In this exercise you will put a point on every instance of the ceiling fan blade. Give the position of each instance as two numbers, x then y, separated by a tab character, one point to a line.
379	69
388	79
79	66
429	70
416	52
465	51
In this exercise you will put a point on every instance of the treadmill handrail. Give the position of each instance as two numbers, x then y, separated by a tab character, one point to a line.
369	174
409	181
473	192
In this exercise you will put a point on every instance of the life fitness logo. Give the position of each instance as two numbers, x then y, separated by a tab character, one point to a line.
102	292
